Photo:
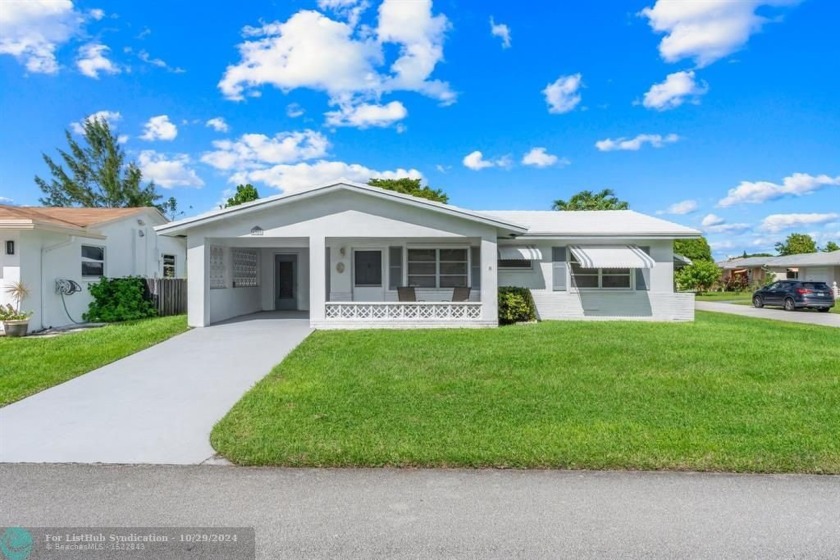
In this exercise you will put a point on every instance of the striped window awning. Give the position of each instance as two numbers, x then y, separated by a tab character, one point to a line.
611	256
519	253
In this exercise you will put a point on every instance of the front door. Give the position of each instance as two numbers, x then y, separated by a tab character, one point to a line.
285	282
367	275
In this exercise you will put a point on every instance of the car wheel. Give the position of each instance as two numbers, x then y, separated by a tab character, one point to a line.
757	302
789	305
824	309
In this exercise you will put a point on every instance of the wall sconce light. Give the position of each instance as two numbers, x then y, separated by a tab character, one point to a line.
10	247
256	230
141	223
342	251
141	233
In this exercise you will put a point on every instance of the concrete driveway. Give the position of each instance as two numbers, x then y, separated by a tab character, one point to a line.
156	406
807	317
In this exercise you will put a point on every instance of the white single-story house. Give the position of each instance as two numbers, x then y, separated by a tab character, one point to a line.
356	256
811	267
43	245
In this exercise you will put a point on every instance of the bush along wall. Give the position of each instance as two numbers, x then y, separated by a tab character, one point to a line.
119	299
516	305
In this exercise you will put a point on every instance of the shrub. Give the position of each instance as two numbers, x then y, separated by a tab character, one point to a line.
516	305
119	299
699	277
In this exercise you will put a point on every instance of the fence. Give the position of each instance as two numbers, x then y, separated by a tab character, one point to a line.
168	294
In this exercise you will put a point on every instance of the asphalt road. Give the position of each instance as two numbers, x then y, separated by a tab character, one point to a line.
310	513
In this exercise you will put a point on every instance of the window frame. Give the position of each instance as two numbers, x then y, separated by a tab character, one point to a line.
83	259
163	265
526	267
382	273
437	261
599	274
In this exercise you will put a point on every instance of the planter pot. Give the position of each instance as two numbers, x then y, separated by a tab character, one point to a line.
16	328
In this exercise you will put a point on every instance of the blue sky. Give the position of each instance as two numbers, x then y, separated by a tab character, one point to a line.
719	114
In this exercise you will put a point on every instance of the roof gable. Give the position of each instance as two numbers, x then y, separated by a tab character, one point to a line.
181	226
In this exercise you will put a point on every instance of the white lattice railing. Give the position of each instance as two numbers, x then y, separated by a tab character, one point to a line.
403	311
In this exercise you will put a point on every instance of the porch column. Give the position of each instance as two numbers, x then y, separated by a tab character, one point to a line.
198	288
489	279
317	278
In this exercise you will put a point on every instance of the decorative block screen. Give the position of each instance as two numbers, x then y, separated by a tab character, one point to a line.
216	274
245	268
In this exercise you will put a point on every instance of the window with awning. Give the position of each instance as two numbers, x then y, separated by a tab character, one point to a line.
518	256
608	267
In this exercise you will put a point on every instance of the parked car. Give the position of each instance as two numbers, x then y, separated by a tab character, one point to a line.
795	294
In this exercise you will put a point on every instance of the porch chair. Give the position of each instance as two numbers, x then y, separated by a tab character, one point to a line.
406	293
461	294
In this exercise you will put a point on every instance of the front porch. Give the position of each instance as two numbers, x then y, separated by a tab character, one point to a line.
347	283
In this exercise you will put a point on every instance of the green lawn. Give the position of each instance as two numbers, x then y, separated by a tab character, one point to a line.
745	297
723	393
32	364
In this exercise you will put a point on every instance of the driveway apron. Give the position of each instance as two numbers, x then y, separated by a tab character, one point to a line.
155	406
807	317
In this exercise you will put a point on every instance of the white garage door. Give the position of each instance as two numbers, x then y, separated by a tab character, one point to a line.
817	274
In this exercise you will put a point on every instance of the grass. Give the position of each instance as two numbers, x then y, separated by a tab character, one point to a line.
32	364
725	296
723	393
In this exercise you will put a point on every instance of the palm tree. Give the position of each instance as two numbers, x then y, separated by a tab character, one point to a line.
587	200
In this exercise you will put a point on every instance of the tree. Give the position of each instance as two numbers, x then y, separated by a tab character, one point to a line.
831	246
797	243
699	276
695	249
96	175
587	200
406	185
244	193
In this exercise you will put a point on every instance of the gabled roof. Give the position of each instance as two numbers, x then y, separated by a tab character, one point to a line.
744	262
181	226
64	219
807	259
600	223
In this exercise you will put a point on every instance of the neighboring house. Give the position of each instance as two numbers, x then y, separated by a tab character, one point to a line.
750	269
811	267
341	252
42	245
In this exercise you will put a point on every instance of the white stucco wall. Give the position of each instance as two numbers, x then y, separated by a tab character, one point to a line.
660	303
126	254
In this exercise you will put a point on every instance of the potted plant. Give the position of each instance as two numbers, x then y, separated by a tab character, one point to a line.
15	321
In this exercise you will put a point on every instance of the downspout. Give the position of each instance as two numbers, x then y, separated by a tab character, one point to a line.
44	250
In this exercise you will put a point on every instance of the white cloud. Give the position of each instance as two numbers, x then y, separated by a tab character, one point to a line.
680	208
727	228
159	128
96	13
705	31
301	176
366	115
351	10
674	91
539	157
475	161
92	60
294	110
501	31
258	151
562	95
711	220
5	200
798	184
32	30
633	144
779	222
310	50
160	63
218	124
168	172
111	117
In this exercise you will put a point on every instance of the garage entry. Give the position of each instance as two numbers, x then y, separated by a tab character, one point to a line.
818	274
